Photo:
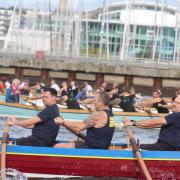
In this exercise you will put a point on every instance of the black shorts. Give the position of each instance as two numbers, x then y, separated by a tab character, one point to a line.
158	146
30	141
81	145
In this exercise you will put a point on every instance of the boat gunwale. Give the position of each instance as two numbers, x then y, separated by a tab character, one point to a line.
82	111
114	154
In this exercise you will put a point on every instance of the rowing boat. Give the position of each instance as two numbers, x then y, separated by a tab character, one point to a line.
90	162
18	109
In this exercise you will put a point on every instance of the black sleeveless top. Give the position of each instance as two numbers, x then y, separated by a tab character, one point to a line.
100	138
159	108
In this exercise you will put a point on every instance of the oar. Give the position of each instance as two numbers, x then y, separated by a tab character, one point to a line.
86	106
34	105
149	112
138	154
79	135
5	137
5	116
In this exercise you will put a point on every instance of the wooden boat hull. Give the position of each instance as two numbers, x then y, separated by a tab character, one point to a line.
87	162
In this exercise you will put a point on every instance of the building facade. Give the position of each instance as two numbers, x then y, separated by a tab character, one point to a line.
123	31
5	18
107	44
133	31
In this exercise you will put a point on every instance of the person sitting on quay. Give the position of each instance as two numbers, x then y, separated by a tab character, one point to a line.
100	126
169	136
12	93
44	129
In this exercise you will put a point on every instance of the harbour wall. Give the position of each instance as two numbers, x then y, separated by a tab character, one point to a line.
141	74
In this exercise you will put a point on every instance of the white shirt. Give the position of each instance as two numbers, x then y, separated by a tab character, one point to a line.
7	84
89	88
56	87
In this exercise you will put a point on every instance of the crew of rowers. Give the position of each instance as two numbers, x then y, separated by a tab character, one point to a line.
74	96
100	124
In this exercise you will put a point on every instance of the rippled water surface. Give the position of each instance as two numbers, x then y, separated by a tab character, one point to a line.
144	135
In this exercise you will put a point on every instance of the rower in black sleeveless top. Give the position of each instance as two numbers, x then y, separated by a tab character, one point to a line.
99	125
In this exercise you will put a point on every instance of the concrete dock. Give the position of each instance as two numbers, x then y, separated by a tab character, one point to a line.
139	72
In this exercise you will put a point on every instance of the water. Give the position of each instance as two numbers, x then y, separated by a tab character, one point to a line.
13	174
120	135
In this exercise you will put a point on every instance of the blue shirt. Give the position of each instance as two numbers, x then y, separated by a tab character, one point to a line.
80	95
47	130
9	97
170	133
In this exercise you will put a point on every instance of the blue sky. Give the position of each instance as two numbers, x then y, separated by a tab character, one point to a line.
88	4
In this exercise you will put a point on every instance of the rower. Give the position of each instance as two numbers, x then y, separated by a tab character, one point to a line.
157	102
44	131
169	136
100	126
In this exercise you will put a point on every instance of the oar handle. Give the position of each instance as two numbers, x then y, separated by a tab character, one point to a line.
5	135
79	135
33	104
134	144
87	107
138	154
143	165
5	138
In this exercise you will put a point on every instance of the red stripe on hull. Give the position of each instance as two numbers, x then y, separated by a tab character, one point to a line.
92	167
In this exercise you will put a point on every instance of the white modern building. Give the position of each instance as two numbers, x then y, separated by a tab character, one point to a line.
5	18
129	30
134	30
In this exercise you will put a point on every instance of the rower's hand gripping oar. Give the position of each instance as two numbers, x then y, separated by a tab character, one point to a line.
138	154
5	138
